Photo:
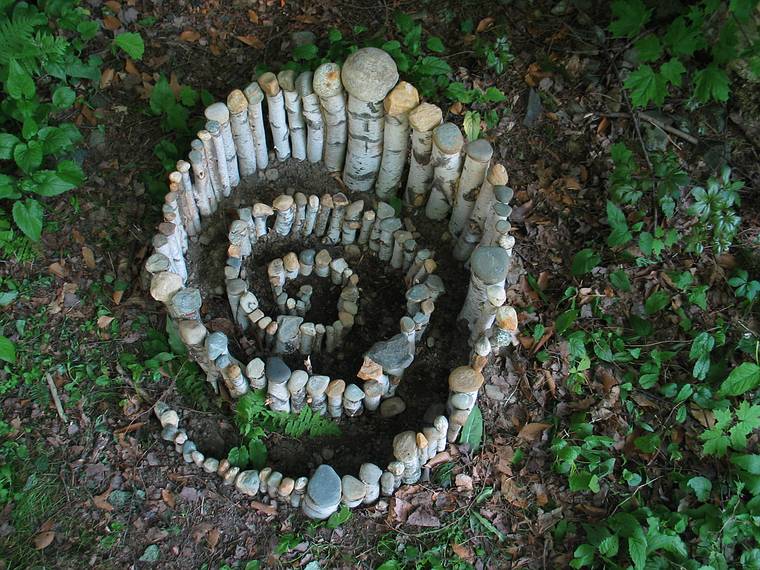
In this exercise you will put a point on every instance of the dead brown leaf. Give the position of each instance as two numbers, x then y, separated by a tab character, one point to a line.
58	269
114	6
189	36
117	295
111	23
253	17
101	501
106	78
130	67
532	431
262	508
43	539
251	40
168	498
212	538
89	257
464	552
104	321
484	24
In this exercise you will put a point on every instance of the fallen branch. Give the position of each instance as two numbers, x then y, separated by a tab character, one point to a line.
656	122
56	398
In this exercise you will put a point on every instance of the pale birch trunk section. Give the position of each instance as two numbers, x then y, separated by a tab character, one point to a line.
497	176
402	99
278	124
296	123
327	86
446	159
478	154
256	121
423	119
188	209
241	132
201	186
216	192
313	115
215	129
221	114
365	144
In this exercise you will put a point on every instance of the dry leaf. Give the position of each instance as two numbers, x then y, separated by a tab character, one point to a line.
463	552
262	508
106	78
111	23
213	537
104	321
532	431
114	6
101	501
117	295
89	257
174	85
253	16
44	539
484	24
130	67
252	41
58	269
189	36
168	498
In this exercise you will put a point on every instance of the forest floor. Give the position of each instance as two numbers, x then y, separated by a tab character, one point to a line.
101	488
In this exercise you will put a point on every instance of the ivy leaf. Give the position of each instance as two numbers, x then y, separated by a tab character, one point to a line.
7	350
645	85
28	217
28	156
132	43
701	487
630	16
672	71
584	261
19	84
7	142
472	125
435	44
63	97
741	380
711	82
648	48
472	431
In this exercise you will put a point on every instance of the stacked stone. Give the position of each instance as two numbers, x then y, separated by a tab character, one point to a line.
464	384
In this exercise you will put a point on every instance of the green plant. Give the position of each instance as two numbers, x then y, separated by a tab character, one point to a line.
32	142
744	287
713	206
583	456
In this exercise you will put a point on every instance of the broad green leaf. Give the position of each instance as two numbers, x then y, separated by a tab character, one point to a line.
584	261
742	9
7	350
132	43
28	156
620	281
432	65
305	52
741	380
629	17
701	486
683	39
49	183
339	517
8	189
472	430
7	142
672	71
711	83
70	171
564	321
494	95
637	549
620	234
645	86
648	48
162	98
64	97
19	84
749	462
435	44
656	302
609	546
7	297
54	140
28	217
472	125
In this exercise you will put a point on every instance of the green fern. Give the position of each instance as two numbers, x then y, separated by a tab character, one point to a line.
23	41
254	417
192	386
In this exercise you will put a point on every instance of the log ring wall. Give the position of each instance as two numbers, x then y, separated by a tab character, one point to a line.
358	120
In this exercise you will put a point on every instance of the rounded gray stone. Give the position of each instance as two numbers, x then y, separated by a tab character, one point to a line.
217	112
353	490
392	354
353	393
253	93
304	83
324	488
287	79
326	80
369	74
503	194
306	257
298	380
490	264
480	150
392	407
317	384
276	370
216	344
370	473
448	138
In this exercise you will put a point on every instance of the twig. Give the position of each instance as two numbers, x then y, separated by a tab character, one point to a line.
56	398
656	122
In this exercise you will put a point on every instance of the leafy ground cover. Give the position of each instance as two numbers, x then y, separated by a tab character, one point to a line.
622	432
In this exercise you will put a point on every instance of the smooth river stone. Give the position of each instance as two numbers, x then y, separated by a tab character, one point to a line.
353	491
247	482
323	493
216	344
276	370
392	407
393	354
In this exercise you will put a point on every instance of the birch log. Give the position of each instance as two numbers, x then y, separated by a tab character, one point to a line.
446	159
241	132
497	176
478	154
312	113
201	186
488	266
423	119
402	99
215	182
255	97
215	129
277	122
221	114
188	209
326	84
296	124
368	75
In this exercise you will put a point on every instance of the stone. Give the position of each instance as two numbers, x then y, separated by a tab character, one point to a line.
326	81
210	465
216	345
463	401
276	370
169	433
369	74
405	446
480	150
425	117
506	318
393	354
353	393
248	482
465	379
288	328
164	285
353	491
490	264
448	138
186	302
370	370
323	493
402	99
392	407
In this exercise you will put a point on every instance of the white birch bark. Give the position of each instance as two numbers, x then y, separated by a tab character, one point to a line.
497	176
278	124
215	129
478	154
216	192
315	132
446	159
188	209
296	123
423	119
201	186
365	144
221	114
326	84
241	132
402	99
256	121
488	266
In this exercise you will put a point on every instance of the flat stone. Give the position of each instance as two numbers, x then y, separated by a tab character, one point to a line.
480	150
465	379
405	446
156	263
248	302
317	384
248	482
448	138
210	465
286	486
306	257
497	175
353	393
276	370
392	407
304	83
425	117
418	293
216	344
370	473
462	401
503	194
506	318
490	264
297	381
217	112
326	81
288	327
236	286
369	74
336	388
287	79
164	285
255	368
353	490
402	99
283	202
236	101
392	354
324	488
390	225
